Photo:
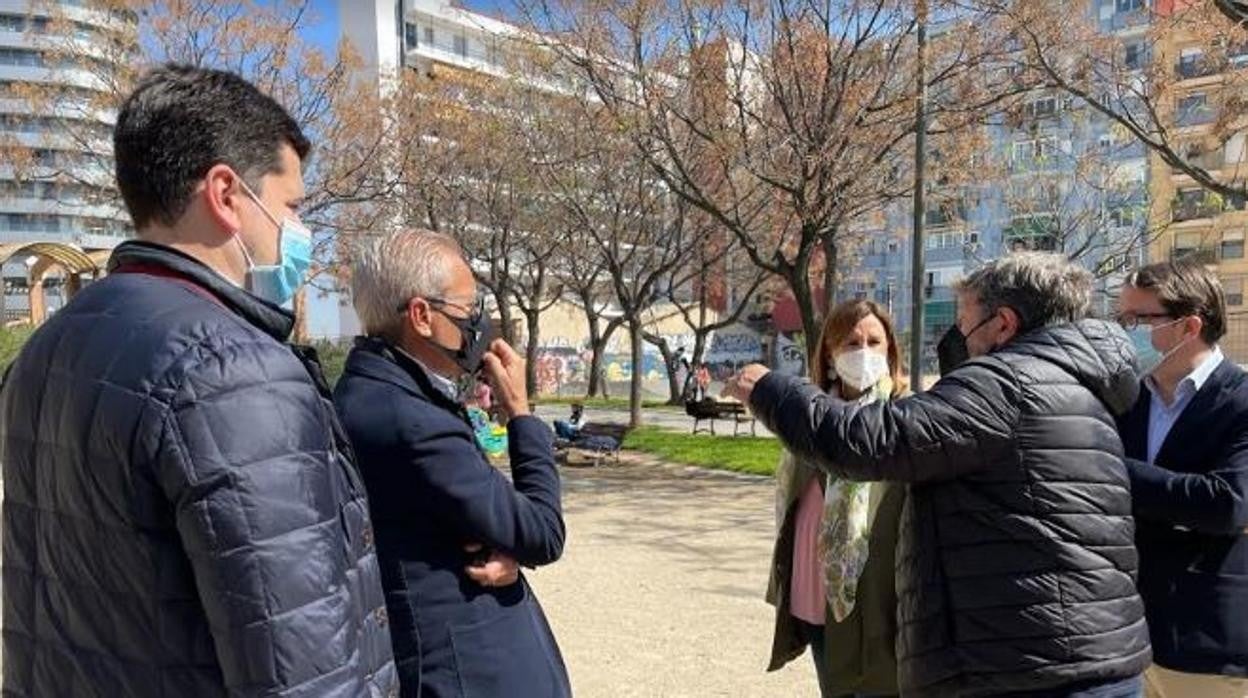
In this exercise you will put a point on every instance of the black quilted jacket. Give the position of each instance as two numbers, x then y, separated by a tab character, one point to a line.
181	513
1016	565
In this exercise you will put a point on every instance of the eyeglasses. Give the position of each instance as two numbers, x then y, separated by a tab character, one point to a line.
1131	321
472	311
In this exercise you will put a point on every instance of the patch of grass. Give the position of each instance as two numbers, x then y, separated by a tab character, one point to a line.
614	403
754	455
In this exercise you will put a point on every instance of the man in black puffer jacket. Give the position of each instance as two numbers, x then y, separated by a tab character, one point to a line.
1016	567
181	513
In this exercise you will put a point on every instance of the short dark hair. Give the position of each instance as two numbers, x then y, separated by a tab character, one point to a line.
179	122
1186	289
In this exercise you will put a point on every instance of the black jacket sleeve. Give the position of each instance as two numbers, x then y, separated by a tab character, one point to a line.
961	425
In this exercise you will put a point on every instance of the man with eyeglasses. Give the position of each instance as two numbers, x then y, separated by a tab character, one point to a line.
451	528
1187	445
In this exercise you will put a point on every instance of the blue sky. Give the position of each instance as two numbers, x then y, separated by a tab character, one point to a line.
324	32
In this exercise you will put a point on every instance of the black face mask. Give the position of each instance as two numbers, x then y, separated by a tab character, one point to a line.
475	332
951	350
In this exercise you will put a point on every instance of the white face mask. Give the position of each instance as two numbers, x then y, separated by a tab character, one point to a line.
861	369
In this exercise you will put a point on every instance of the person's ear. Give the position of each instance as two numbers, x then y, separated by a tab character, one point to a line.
1011	325
420	317
1193	326
222	196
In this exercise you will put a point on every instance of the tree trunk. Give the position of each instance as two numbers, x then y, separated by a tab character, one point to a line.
532	317
506	330
634	396
595	348
299	334
674	388
799	283
831	257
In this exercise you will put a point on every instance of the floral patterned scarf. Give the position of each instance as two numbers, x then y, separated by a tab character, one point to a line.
845	527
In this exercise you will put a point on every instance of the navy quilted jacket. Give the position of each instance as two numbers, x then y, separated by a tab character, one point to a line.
181	513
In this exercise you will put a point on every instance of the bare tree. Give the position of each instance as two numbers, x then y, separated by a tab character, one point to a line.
1177	84
710	292
641	231
582	273
781	121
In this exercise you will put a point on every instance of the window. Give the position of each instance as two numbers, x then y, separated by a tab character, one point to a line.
1030	150
1232	245
1123	217
21	57
1129	5
1234	290
1186	244
12	23
410	35
1041	108
1134	58
893	246
1191	63
1237	55
1194	109
461	46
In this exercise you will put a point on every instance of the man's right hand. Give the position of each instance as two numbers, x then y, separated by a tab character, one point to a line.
505	369
497	570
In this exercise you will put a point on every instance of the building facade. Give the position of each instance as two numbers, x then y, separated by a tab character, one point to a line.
56	179
1053	175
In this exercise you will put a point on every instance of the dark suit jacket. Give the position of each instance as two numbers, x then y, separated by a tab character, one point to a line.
431	491
1191	509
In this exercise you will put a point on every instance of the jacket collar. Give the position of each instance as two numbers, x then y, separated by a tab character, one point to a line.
375	358
1195	416
269	318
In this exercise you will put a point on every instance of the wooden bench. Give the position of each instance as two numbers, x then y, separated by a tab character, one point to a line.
579	455
709	410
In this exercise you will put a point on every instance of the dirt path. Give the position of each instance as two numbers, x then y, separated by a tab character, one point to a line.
660	590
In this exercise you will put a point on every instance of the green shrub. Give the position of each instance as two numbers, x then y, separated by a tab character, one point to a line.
12	339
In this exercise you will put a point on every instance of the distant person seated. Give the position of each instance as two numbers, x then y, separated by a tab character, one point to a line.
703	379
570	429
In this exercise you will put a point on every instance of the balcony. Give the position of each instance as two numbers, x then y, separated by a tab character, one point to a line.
1182	211
1199	255
1210	162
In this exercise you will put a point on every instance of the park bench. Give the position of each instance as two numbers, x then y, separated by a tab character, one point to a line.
596	441
710	409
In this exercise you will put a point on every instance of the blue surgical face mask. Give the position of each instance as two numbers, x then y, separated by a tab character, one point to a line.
1148	357
278	282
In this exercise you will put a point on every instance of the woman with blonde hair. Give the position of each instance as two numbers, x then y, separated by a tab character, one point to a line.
832	569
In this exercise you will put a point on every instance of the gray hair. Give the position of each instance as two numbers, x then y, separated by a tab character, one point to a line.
393	269
1043	288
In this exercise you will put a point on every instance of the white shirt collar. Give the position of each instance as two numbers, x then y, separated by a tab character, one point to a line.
448	387
1194	381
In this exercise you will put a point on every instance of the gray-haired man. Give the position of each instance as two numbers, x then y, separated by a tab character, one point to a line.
1016	566
445	518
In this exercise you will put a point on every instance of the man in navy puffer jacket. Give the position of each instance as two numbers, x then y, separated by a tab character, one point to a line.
182	516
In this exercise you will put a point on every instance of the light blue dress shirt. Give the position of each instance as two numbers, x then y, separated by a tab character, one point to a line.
1161	417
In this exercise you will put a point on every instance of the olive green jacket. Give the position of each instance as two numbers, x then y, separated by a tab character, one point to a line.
861	655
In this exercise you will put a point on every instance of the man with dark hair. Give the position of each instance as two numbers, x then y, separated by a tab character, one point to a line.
182	516
1187	440
1016	565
